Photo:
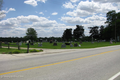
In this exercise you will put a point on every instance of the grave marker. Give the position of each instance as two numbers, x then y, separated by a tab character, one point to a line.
63	46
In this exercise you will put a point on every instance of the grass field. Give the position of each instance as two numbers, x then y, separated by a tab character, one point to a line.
8	51
84	45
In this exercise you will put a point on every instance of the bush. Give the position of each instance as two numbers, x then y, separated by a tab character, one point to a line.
34	50
67	43
16	51
10	52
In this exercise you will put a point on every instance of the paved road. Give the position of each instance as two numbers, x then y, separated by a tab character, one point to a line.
90	64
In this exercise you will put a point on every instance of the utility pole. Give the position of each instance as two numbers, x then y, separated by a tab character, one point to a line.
115	27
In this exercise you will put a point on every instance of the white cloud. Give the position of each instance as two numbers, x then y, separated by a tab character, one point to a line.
14	26
74	1
74	20
106	1
93	20
42	1
2	14
94	7
69	5
33	2
87	8
10	9
55	13
41	13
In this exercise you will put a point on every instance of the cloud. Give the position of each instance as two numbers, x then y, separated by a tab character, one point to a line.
74	1
87	8
42	1
74	20
33	2
41	13
92	20
106	1
12	25
55	13
2	14
10	9
69	5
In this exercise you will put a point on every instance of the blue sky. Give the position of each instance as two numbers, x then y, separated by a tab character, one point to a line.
52	17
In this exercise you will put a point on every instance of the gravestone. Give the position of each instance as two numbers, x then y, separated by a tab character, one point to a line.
75	45
63	46
71	45
54	44
6	42
17	43
111	42
80	42
20	43
51	41
31	43
40	45
79	45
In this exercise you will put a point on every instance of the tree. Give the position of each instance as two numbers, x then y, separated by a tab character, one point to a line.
2	13
1	2
94	32
113	21
67	34
101	34
78	32
31	34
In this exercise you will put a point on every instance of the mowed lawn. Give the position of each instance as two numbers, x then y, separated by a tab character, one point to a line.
7	51
84	45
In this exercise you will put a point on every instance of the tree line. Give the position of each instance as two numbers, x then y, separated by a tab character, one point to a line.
109	32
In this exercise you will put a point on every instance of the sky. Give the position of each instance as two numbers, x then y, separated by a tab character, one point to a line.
51	17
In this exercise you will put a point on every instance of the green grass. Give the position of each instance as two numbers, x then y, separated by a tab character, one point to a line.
8	51
84	45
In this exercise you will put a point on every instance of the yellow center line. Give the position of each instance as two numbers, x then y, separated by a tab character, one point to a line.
57	63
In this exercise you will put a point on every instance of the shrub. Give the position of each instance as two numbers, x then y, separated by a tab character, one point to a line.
16	51
10	52
67	43
34	50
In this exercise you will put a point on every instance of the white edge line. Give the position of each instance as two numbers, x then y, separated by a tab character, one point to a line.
116	75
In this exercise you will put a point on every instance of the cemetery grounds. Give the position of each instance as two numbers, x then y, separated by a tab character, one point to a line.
47	45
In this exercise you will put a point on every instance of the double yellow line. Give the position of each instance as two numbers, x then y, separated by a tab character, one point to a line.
57	63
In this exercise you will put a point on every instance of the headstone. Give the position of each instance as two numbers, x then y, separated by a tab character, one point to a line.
71	45
20	43
63	46
39	45
6	42
54	44
75	45
80	42
79	45
111	42
16	43
51	41
32	43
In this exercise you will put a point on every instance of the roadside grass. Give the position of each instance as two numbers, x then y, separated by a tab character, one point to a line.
11	51
84	45
16	51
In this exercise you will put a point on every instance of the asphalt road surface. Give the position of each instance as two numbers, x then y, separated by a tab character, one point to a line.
87	64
